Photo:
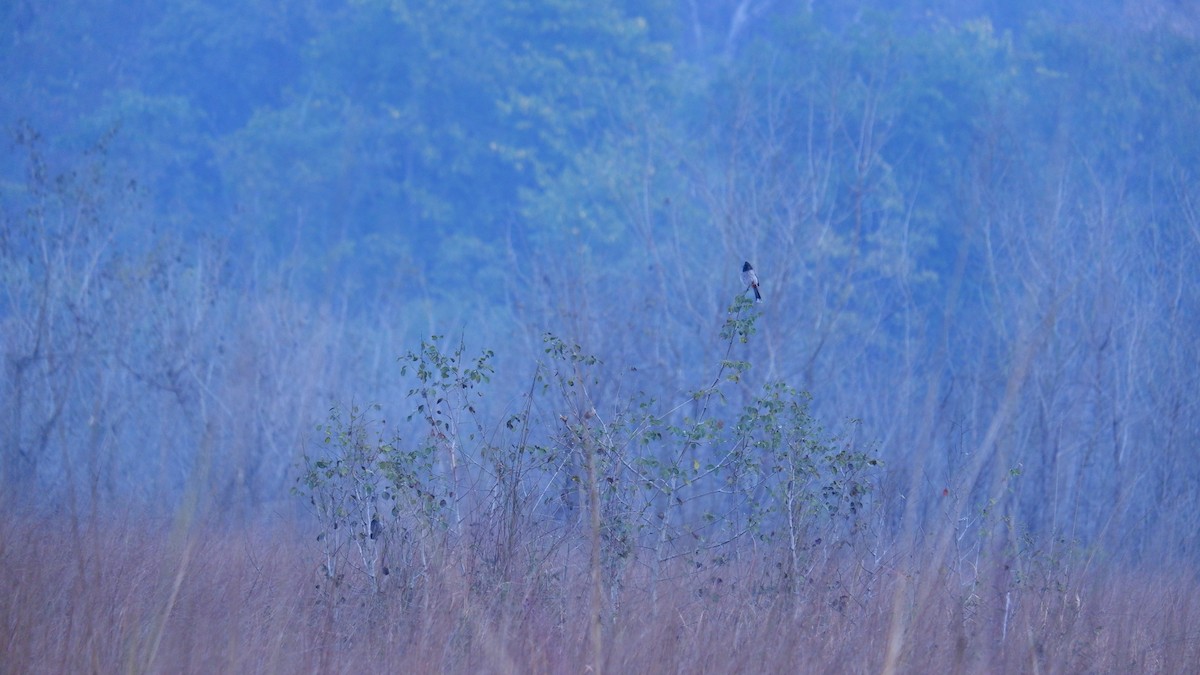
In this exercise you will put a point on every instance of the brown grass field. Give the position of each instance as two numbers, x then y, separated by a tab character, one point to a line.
172	597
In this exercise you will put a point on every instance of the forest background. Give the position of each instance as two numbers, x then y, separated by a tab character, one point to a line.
232	231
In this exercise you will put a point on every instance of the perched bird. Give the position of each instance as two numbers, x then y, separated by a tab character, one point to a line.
751	279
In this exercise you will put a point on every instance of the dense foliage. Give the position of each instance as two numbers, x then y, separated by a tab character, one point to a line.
977	233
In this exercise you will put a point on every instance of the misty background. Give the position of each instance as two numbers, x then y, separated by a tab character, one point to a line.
977	227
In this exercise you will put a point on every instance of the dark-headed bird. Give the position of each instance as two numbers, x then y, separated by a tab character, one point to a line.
751	280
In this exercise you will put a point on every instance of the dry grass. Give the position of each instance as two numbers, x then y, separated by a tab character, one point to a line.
125	597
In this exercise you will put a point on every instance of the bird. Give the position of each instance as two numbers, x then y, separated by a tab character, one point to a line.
751	280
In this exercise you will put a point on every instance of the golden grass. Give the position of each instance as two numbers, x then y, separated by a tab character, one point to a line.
116	596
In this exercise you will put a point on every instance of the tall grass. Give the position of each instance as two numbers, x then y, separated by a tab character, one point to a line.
132	595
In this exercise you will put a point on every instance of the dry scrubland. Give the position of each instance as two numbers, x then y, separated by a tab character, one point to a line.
979	246
138	596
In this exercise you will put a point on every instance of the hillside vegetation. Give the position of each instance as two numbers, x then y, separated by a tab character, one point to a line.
410	335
